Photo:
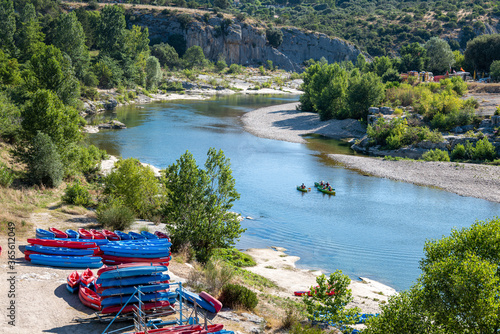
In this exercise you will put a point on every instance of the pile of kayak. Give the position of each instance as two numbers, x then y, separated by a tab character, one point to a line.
92	249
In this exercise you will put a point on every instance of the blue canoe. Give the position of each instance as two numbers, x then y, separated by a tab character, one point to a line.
147	297
131	271
66	261
149	235
137	280
61	250
44	234
194	297
136	236
138	255
128	290
72	290
135	248
72	234
123	235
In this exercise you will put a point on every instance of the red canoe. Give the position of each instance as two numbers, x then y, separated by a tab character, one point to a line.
123	259
87	277
97	235
112	236
62	243
84	234
162	235
58	233
73	279
211	300
131	307
89	298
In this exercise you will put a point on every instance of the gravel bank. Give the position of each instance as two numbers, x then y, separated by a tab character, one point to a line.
480	181
285	123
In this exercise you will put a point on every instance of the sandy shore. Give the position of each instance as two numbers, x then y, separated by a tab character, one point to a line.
279	267
283	122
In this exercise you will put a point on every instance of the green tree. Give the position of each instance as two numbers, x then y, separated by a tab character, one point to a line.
412	57
482	51
153	72
439	55
194	57
111	31
69	37
10	118
460	279
331	308
166	54
43	161
403	314
136	186
459	59
495	70
49	69
7	26
46	113
223	4
274	37
198	208
108	72
365	90
9	70
29	36
381	65
89	20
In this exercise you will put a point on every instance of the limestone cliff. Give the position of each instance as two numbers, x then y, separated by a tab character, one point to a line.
244	43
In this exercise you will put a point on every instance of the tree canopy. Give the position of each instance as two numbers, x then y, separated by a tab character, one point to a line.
440	58
199	203
482	51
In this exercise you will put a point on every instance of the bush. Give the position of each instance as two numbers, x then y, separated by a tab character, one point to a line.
212	277
77	194
458	152
221	65
484	150
235	69
436	155
79	159
44	162
274	37
114	215
6	175
234	295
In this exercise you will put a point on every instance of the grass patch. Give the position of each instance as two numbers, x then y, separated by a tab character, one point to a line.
234	257
254	280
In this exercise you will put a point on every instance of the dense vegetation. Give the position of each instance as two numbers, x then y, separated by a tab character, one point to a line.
378	27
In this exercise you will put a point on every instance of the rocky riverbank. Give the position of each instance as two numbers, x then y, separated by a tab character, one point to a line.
285	123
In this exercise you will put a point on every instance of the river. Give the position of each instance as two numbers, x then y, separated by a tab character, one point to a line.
373	227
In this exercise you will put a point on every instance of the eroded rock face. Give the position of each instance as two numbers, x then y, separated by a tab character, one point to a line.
245	44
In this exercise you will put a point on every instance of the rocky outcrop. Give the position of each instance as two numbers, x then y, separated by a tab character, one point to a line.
245	44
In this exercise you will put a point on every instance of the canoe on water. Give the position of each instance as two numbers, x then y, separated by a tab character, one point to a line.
299	188
326	191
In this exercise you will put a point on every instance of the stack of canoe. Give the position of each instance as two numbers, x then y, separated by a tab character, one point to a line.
130	251
63	253
115	286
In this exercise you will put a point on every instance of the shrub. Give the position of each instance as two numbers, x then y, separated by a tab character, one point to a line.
221	65
212	277
44	162
274	37
6	175
436	155
234	295
458	152
114	215
484	150
235	69
79	159
77	194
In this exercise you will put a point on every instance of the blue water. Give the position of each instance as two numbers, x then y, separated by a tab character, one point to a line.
372	228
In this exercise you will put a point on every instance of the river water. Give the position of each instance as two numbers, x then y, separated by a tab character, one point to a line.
373	227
